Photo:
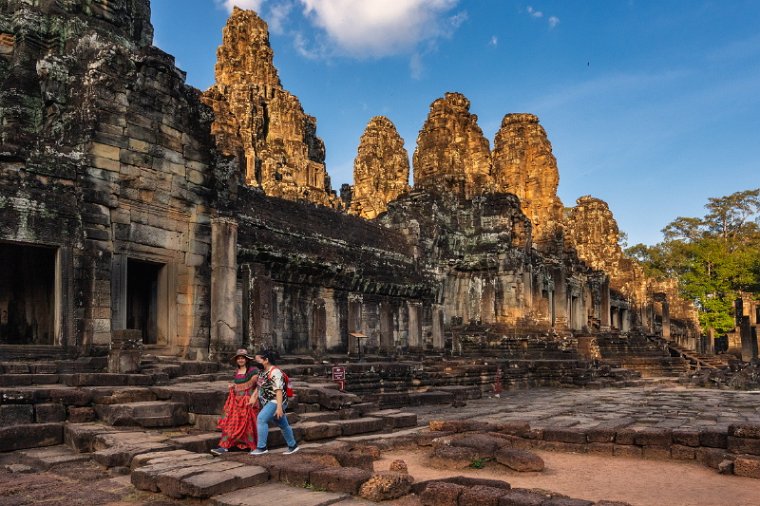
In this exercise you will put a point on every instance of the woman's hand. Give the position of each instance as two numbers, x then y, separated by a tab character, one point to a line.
279	413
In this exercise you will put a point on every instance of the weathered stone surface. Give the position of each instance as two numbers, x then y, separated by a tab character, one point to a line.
284	494
523	164
519	460
339	479
747	466
481	495
45	458
144	414
257	119
381	169
452	154
17	437
452	457
386	485
16	414
521	497
441	493
212	483
746	431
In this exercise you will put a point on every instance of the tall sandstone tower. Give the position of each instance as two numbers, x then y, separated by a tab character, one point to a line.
523	164
381	169
452	154
260	122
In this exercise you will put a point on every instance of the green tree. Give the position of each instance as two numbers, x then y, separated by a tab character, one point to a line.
714	257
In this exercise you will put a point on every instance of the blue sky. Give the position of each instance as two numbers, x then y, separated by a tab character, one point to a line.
652	106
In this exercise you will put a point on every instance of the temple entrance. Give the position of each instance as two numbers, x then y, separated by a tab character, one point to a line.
386	327
142	298
27	294
318	329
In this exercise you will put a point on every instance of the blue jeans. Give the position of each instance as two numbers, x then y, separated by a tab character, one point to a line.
265	416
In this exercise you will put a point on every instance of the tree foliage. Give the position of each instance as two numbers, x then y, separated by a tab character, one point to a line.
714	257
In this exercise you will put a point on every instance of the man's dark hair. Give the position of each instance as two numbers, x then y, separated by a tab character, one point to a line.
270	355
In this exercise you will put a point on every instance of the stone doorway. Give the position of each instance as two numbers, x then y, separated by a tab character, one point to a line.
142	298
27	294
318	328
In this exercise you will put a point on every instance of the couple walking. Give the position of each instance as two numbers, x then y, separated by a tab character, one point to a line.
256	397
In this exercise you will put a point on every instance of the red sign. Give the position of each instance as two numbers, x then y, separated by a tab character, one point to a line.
338	373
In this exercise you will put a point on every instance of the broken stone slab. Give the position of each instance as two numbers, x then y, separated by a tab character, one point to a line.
19	437
519	460
145	477
452	457
145	414
50	456
199	443
284	494
170	481
207	484
81	436
122	455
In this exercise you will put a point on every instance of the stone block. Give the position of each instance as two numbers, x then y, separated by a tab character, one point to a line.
711	457
428	438
285	495
565	435
567	501
713	438
627	451
481	495
387	485
747	466
353	459
520	460
558	446
18	437
521	497
625	437
81	415
16	414
653	438
339	479
198	443
45	379
210	483
439	493
81	436
451	457
71	396
51	456
360	425
600	448
400	420
297	473
171	482
50	412
744	445
15	380
483	444
204	422
655	453
686	437
145	414
146	477
314	431
122	455
681	452
597	435
744	431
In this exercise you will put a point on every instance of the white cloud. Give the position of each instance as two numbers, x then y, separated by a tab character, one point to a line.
254	5
278	14
375	28
494	41
416	67
553	21
533	12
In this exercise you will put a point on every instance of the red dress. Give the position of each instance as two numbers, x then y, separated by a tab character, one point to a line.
238	422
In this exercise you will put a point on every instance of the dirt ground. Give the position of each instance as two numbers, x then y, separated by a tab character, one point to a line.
592	477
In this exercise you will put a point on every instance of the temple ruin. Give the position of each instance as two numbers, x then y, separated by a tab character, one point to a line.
206	220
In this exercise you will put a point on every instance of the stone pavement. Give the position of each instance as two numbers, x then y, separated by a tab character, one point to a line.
663	405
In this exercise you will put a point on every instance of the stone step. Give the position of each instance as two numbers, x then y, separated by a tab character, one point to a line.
284	494
51	456
145	414
18	437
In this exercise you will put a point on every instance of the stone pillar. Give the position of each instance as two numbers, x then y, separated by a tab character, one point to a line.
125	351
604	310
666	320
438	340
225	333
560	299
749	339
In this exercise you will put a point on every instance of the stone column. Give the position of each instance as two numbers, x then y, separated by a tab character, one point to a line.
666	320
225	331
438	340
604	310
560	299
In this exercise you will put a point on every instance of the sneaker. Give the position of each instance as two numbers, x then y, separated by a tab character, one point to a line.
291	449
219	451
258	451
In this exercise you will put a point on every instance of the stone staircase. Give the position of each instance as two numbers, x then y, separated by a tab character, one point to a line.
638	353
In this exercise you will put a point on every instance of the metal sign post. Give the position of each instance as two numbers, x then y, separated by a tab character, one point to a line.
339	375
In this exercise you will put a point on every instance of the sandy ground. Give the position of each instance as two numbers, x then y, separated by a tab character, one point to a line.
592	477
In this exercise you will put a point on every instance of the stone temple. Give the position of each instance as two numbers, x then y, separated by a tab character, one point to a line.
149	229
206	221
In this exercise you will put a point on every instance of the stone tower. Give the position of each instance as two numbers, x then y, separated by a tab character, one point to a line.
452	154
523	164
381	169
260	122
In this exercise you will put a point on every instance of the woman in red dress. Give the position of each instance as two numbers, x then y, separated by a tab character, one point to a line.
238	422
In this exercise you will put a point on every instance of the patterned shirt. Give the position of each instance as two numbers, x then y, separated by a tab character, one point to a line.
269	382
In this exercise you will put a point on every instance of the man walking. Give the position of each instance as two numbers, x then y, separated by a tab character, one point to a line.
270	394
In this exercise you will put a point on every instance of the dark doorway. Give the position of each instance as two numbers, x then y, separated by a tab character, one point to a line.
27	294
142	298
